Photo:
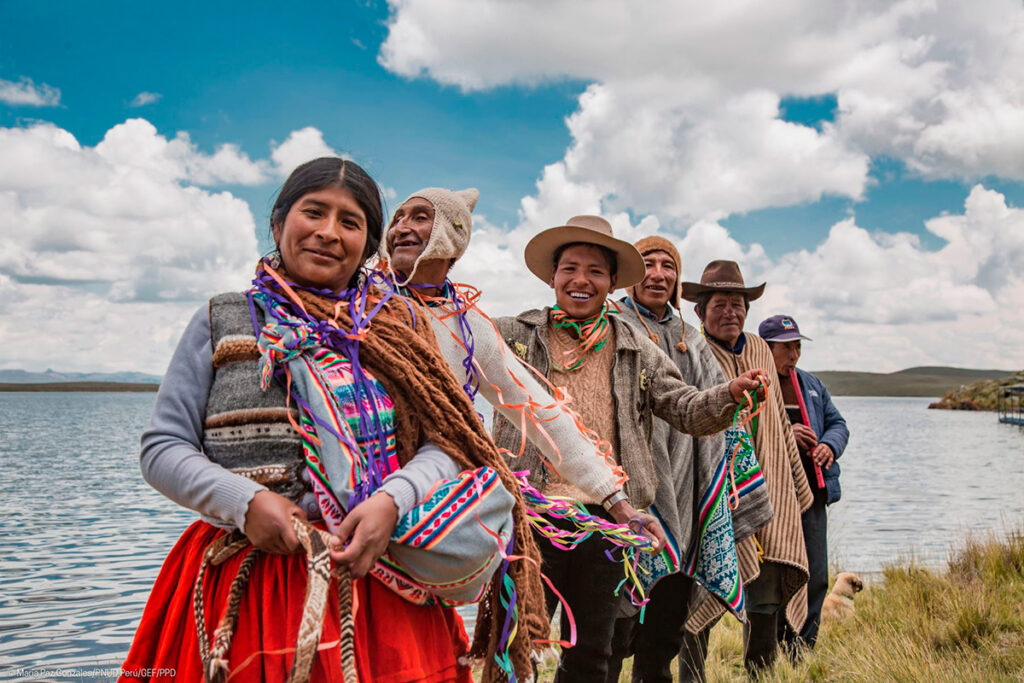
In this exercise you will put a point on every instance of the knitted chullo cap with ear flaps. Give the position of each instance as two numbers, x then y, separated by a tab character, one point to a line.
453	221
649	245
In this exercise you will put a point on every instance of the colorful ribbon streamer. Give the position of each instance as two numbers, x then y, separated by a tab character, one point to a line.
592	333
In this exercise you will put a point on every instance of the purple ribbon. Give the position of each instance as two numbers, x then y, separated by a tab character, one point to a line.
341	341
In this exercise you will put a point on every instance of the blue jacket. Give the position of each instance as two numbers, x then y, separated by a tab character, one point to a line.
828	424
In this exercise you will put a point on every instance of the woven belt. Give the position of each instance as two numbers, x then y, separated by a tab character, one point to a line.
215	663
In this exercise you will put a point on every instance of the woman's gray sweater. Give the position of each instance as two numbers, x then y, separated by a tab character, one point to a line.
173	462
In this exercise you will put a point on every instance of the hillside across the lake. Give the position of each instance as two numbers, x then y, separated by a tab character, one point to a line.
48	376
923	381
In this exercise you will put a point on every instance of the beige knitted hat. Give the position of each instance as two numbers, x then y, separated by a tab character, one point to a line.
453	221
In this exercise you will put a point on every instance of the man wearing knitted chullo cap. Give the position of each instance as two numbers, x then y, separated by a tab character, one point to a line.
688	469
618	380
429	232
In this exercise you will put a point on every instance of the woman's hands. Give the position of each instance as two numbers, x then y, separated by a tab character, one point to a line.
623	513
367	530
268	523
749	381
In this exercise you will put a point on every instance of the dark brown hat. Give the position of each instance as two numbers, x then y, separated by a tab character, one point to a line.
721	276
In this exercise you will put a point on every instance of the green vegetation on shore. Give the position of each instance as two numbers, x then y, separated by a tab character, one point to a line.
923	381
980	395
79	386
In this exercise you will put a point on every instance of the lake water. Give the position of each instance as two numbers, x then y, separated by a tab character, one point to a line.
82	536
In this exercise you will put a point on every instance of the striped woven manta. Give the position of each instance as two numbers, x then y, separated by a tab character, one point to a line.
428	523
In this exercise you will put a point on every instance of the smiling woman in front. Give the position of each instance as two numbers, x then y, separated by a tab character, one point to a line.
349	494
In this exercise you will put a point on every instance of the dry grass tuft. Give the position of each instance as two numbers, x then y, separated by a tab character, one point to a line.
962	624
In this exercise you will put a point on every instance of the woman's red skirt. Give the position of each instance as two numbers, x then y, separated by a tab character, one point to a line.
395	640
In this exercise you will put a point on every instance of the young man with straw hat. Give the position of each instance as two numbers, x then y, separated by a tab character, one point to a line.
618	381
777	584
428	234
690	473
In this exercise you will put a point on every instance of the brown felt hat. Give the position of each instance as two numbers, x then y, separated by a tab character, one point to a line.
540	250
721	276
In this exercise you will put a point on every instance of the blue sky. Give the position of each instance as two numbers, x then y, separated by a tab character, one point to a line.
815	162
251	76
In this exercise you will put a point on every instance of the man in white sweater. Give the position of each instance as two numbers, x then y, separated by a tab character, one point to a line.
429	232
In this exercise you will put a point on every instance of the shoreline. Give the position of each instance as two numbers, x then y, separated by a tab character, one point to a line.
57	387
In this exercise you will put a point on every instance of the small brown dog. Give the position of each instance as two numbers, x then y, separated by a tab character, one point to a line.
838	604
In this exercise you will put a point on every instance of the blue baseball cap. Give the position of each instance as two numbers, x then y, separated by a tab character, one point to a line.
780	328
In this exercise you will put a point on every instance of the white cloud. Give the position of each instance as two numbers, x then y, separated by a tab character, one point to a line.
28	94
678	127
117	216
75	330
144	98
736	157
681	114
880	301
106	250
137	144
299	147
871	300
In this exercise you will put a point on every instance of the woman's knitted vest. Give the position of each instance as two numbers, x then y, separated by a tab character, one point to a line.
247	430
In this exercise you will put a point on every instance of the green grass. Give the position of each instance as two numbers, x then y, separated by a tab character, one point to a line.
964	623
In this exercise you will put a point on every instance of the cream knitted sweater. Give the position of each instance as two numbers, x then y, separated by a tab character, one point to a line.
506	384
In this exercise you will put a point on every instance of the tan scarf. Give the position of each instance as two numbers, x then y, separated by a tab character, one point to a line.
400	350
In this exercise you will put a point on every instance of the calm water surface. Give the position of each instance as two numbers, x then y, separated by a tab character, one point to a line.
82	536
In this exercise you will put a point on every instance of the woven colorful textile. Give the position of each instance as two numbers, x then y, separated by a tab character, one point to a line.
712	559
470	514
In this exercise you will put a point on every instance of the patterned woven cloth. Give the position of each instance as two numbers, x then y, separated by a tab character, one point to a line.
782	539
694	485
446	548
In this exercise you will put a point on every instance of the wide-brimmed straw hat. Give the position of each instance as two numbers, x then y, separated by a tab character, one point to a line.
540	251
721	276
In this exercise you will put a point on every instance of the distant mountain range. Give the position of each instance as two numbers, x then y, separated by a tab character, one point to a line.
52	376
922	381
